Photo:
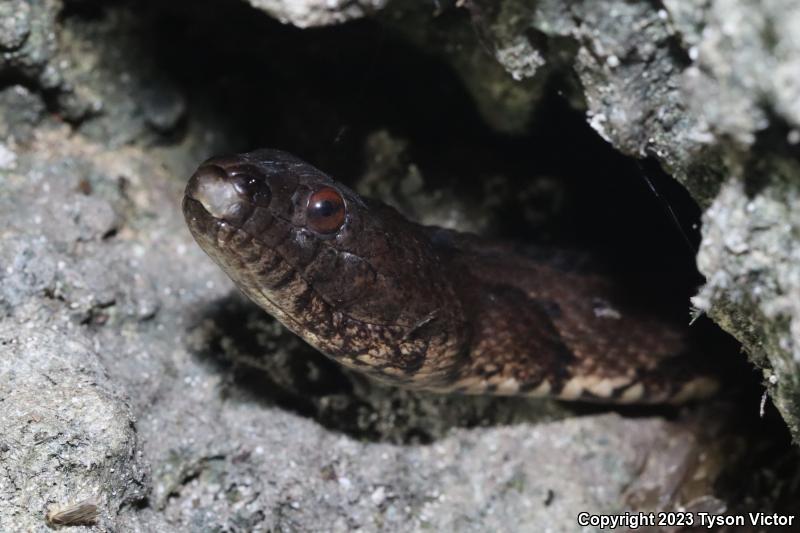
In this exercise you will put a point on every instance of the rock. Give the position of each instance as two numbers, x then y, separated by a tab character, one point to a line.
68	436
309	13
16	24
20	112
28	41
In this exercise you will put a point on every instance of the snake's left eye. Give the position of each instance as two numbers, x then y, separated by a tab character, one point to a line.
325	211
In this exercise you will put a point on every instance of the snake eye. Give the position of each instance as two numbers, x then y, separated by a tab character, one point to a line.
325	211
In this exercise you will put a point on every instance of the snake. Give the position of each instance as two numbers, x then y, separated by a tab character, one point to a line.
430	308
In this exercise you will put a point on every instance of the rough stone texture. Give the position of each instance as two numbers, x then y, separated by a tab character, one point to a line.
309	13
750	257
28	41
628	59
133	376
710	90
749	56
67	436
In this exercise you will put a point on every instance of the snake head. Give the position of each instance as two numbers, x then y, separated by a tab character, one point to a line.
351	276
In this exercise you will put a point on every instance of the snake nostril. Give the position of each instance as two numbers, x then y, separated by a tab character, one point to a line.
255	190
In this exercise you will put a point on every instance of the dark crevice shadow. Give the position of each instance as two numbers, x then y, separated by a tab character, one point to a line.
761	171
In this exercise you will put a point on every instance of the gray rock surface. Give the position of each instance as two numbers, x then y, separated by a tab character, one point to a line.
133	376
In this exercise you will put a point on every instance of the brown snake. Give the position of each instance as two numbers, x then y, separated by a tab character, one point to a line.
426	307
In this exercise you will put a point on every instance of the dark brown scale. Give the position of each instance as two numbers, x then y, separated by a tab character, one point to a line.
430	308
259	222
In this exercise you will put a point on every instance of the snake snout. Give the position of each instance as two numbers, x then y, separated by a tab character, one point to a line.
228	192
